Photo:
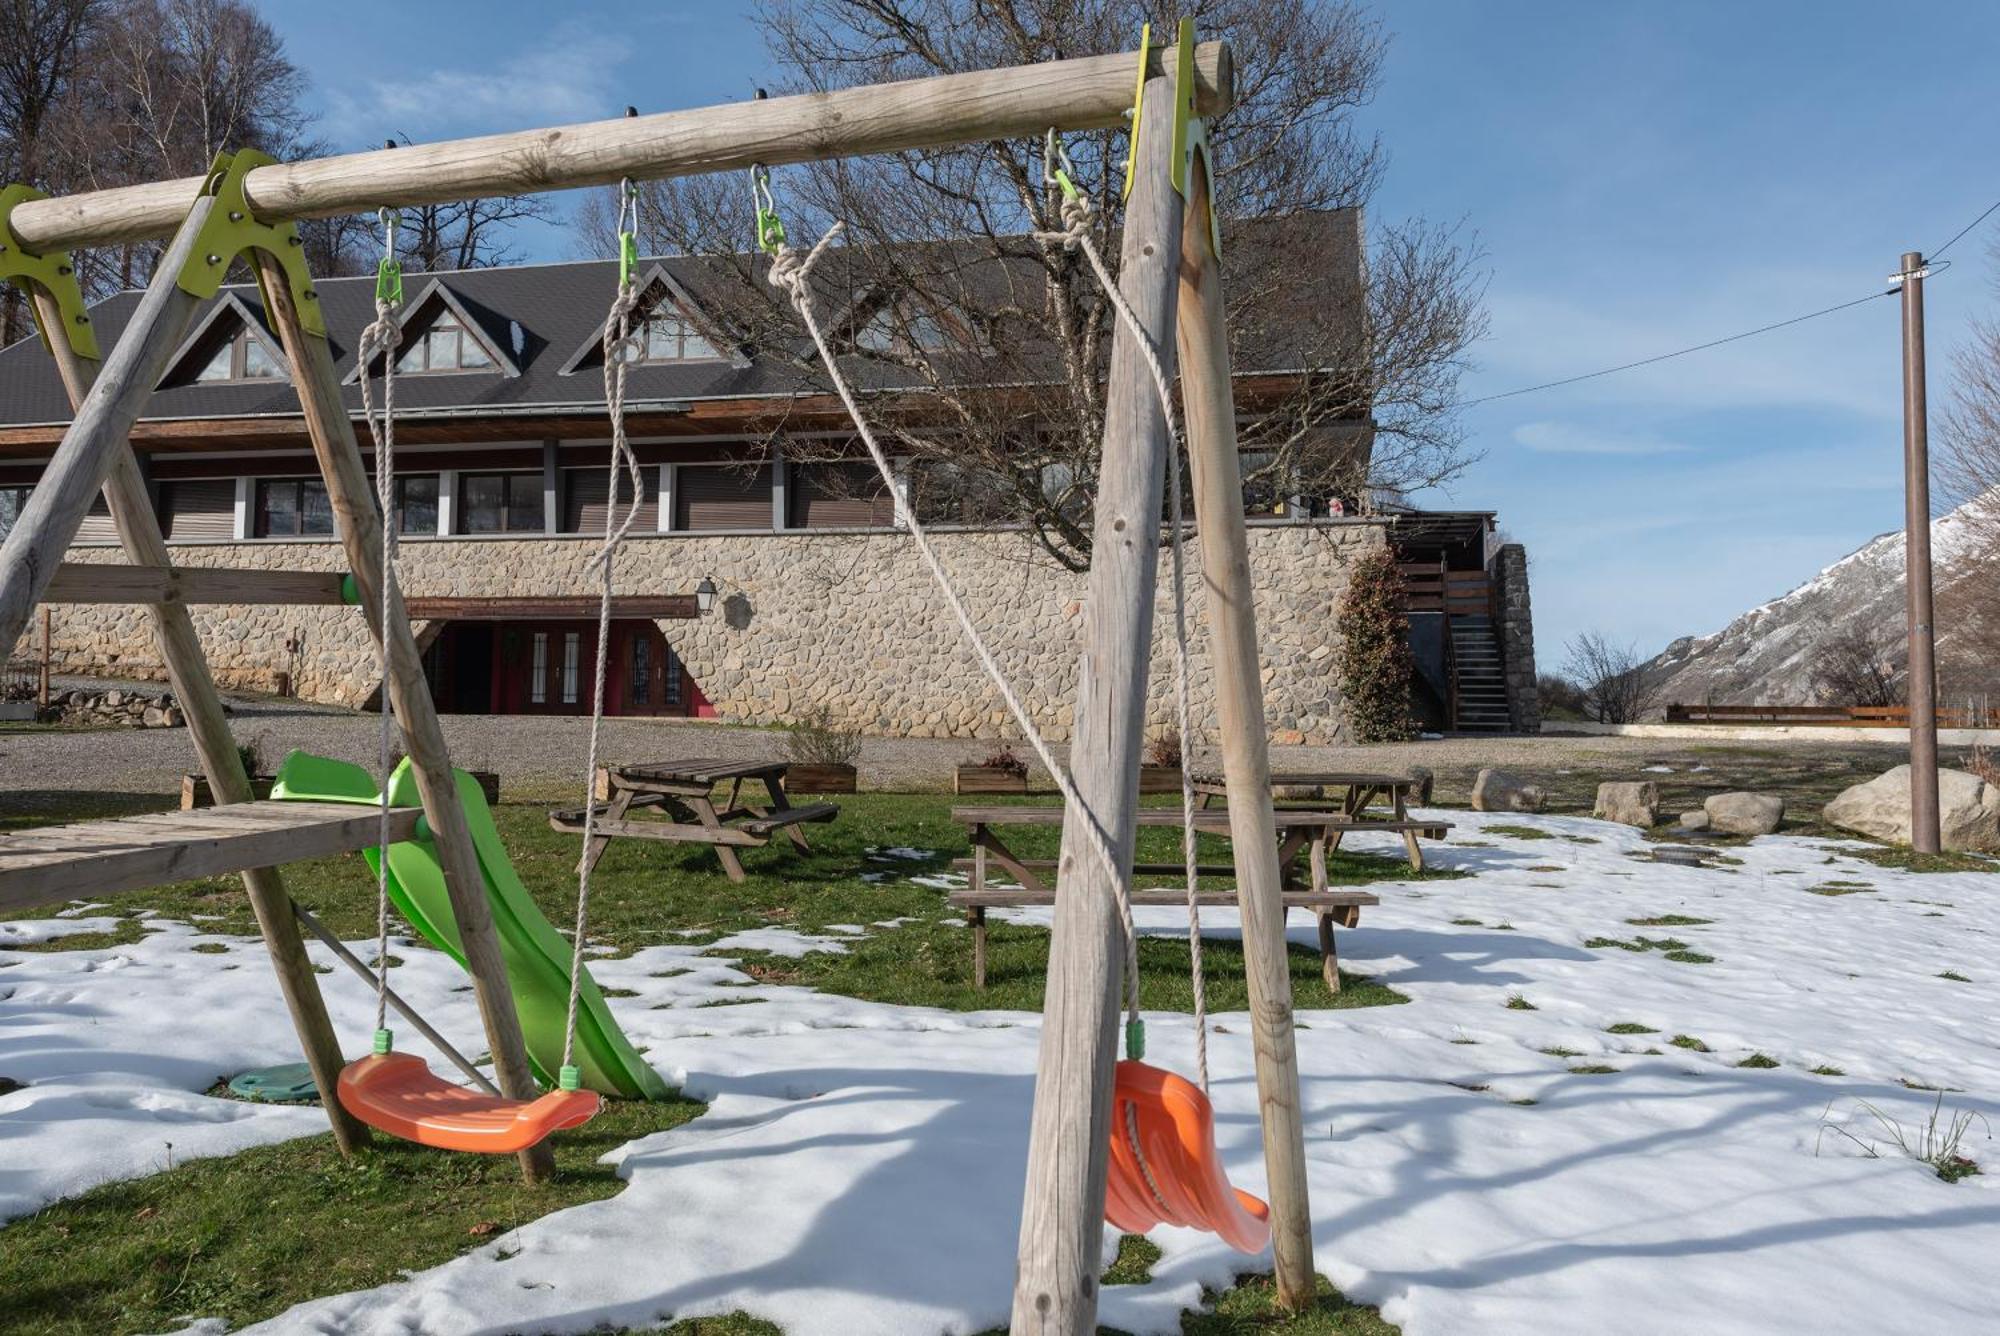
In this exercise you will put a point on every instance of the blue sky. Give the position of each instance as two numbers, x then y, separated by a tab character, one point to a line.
1642	177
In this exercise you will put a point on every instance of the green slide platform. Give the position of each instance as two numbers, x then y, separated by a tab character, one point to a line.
537	955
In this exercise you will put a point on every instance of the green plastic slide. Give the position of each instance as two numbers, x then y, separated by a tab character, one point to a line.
537	955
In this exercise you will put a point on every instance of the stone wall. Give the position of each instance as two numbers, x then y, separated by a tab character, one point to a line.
848	620
1517	637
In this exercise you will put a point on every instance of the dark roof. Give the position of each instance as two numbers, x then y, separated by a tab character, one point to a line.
542	316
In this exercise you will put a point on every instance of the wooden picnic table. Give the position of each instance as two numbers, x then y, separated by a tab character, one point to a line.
1312	832
683	792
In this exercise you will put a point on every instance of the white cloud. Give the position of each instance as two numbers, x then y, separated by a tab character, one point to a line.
564	79
1569	438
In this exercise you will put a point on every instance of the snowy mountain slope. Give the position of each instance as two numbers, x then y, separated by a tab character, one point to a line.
1765	655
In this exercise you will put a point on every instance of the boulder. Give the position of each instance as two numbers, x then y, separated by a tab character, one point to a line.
1695	820
154	717
1968	810
1629	803
1420	795
1498	791
1744	813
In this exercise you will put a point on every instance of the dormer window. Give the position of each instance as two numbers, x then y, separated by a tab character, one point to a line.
242	358
664	334
901	330
445	345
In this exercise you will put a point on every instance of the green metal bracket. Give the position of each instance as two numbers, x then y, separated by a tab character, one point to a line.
1191	133
53	274
231	230
1138	106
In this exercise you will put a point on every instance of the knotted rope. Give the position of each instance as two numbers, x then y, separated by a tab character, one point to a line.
382	338
619	353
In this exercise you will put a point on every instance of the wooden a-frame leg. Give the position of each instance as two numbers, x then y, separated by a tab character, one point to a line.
978	916
215	746
1416	850
621	803
1329	958
704	812
352	499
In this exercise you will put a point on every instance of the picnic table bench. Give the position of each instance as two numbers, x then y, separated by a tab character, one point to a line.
683	792
1309	831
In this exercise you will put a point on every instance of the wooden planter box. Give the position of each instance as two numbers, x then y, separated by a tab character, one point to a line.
1159	779
989	779
194	788
819	778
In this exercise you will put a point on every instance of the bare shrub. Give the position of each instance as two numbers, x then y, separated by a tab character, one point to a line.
1847	669
815	739
1610	678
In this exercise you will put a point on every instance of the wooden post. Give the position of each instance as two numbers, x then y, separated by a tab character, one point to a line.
98	435
1246	761
214	744
1926	835
1062	1213
352	497
42	686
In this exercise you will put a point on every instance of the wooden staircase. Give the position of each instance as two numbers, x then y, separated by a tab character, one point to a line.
1480	675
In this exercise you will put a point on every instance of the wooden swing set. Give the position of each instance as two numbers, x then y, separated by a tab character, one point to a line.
1169	275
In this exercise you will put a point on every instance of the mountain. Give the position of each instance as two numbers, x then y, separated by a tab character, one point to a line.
1765	656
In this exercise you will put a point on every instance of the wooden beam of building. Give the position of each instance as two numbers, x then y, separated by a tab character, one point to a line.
553	609
91	582
1089	93
47	865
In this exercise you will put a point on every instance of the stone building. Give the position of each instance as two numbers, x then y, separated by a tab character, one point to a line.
751	487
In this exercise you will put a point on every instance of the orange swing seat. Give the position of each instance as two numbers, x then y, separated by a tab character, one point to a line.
398	1093
1174	1176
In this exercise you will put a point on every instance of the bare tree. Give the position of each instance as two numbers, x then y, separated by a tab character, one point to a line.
464	234
40	45
1611	678
946	291
1848	669
1968	591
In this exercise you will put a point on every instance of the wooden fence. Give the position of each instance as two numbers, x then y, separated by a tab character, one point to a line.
1830	716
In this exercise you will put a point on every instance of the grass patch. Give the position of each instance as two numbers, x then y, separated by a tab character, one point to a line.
1690	1043
1594	1069
245	1236
1519	832
1515	1002
1908	860
1669	921
1824	1070
1673	948
1558	1051
1134	1263
1629	1027
1954	976
1758	1060
1840	888
128	931
1686	957
1252	1306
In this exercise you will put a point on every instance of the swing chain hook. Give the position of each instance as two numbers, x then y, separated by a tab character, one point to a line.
770	228
389	270
628	231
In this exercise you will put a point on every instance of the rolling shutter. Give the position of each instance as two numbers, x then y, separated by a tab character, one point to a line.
98	526
202	510
722	497
840	496
584	491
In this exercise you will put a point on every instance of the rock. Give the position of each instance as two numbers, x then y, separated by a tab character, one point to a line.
1968	809
1425	780
154	717
1695	820
1498	791
1629	803
113	699
175	718
1744	813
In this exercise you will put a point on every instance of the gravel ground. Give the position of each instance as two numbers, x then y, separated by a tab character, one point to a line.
541	757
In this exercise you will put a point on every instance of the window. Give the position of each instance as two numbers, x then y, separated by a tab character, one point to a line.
572	651
417	503
664	334
292	508
722	496
445	345
839	496
538	681
900	330
245	357
642	670
13	500
198	509
585	492
500	502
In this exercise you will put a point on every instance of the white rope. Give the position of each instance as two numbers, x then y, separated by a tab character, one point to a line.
382	338
1078	214
617	358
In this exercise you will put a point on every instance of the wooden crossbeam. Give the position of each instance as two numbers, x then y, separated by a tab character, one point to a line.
1086	93
91	582
47	865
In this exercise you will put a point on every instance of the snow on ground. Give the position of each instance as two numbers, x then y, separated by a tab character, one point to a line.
858	1170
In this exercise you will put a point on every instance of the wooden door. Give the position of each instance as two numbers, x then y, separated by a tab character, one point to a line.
544	667
644	673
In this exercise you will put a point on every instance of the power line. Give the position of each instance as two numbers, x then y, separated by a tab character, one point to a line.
1963	230
1678	352
1731	338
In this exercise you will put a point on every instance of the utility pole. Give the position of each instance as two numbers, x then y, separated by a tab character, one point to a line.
1925	837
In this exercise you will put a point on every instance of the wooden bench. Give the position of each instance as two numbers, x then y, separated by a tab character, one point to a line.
1328	907
1298	827
683	792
